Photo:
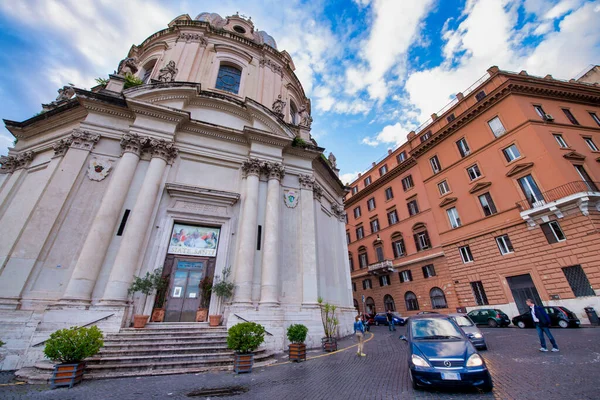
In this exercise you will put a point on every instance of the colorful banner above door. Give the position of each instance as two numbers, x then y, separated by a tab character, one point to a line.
193	240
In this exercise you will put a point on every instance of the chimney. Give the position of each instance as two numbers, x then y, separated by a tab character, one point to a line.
493	69
524	73
359	174
460	96
389	152
373	164
548	77
434	116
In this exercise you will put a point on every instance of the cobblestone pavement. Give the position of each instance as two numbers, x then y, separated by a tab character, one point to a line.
519	371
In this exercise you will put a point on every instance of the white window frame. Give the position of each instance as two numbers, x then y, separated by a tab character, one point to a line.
499	129
465	254
443	187
595	117
453	217
560	140
509	151
555	226
406	276
483	198
540	111
383	170
590	143
374	225
385	279
367	181
362	233
362	257
395	214
355	190
368	284
410	208
526	181
435	164
369	202
463	147
398	249
429	272
503	246
391	191
401	157
407	182
356	211
474	168
424	245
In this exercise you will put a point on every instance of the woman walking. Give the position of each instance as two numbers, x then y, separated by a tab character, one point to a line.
359	331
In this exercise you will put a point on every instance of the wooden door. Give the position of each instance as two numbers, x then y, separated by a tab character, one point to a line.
183	297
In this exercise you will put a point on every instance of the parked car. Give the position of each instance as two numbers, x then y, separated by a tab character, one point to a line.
490	317
470	329
441	355
381	319
559	316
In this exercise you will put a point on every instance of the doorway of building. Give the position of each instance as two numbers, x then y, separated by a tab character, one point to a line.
522	288
183	295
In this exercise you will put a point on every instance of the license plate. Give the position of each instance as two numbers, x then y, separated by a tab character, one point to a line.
451	376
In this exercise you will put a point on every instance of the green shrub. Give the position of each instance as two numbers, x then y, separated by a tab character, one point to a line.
222	287
131	81
296	333
330	321
148	283
206	285
245	337
102	81
2	343
72	345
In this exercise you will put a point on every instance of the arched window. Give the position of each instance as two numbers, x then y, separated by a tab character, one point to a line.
388	302
370	305
293	113
356	304
146	71
438	299
229	78
412	304
363	261
421	237
398	245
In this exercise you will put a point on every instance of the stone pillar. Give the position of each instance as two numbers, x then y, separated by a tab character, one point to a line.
244	261
269	290
12	167
129	252
307	238
96	244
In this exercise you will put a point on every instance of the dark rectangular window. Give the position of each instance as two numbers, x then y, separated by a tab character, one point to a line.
435	164
405	276
595	117
463	147
487	204
465	254
401	157
540	111
360	233
357	212
407	182
375	225
504	245
531	190
425	136
428	271
422	241
384	280
561	141
363	262
351	261
371	203
379	252
450	117
413	207
383	170
474	172
348	238
367	181
578	281
570	116
479	293
259	237
389	194
354	286
553	232
123	223
392	217
480	96
586	178
591	144
398	246
355	190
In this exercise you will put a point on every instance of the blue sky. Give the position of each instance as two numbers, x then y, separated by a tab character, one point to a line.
374	69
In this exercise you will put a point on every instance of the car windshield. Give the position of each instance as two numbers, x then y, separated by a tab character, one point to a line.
462	321
434	329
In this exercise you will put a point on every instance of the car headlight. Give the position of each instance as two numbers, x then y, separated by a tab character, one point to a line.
419	361
474	361
477	335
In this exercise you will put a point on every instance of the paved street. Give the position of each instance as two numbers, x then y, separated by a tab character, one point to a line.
519	371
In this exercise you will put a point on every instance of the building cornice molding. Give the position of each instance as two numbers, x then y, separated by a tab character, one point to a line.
211	196
479	186
157	111
573	155
258	135
447	201
214	131
517	169
229	49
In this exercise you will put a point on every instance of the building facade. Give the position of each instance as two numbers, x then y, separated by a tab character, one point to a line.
207	166
507	175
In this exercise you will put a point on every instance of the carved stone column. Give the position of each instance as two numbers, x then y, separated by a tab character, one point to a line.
96	243
307	240
244	261
130	251
269	291
12	167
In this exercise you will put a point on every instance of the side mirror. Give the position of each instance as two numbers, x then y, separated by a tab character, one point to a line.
402	337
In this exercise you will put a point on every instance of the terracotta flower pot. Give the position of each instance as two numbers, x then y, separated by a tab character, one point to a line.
297	352
67	374
139	321
201	314
329	344
158	315
242	363
214	320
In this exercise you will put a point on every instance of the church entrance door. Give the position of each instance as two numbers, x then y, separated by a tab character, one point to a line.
183	296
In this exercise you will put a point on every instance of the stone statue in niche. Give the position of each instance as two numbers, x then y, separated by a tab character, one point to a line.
305	118
127	66
332	160
64	94
278	106
168	73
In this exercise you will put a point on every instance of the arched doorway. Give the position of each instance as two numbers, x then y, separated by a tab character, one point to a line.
388	302
370	304
412	304
438	299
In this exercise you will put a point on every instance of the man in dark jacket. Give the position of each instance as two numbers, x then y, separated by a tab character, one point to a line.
390	318
542	325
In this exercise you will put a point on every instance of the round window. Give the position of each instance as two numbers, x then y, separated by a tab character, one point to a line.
239	29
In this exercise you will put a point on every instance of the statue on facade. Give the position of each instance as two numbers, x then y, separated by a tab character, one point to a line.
64	94
168	73
332	160
278	106
305	118
128	66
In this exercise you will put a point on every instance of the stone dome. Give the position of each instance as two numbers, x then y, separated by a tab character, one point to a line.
216	21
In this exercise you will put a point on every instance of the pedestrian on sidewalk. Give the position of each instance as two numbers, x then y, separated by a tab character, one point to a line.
390	318
542	325
359	331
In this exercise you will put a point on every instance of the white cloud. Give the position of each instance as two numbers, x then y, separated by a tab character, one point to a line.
5	143
348	177
395	134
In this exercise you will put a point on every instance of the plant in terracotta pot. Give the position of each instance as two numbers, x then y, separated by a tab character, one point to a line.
330	324
296	334
145	285
68	348
244	338
205	292
158	313
223	289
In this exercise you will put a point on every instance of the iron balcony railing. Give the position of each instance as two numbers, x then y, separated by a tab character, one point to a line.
381	265
558	193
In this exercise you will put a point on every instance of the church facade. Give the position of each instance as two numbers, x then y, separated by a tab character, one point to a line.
194	159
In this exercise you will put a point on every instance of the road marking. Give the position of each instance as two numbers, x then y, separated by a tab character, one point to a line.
12	384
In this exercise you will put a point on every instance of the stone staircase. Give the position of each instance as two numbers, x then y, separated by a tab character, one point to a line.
158	349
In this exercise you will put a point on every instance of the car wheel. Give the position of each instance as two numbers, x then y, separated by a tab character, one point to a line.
487	387
521	325
492	323
563	324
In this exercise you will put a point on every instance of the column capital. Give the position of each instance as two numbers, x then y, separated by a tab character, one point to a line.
162	149
317	192
252	166
338	211
133	143
13	163
306	181
78	139
274	170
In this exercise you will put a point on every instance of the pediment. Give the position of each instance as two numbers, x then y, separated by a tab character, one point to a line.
480	186
447	201
574	156
519	168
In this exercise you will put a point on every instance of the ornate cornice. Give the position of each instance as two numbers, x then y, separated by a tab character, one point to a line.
306	181
274	170
192	37
84	140
133	143
265	62
519	168
338	211
162	149
252	166
13	163
480	186
317	192
573	155
448	200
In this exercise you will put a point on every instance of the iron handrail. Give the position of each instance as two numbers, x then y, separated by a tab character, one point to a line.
77	327
558	193
245	320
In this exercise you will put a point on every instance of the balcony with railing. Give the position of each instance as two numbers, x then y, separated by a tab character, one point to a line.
381	268
580	194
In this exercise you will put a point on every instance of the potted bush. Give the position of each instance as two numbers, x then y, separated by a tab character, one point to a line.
68	348
296	334
223	289
244	338
158	313
330	324
205	292
146	285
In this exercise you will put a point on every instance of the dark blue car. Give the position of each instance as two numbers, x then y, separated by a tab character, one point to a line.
381	319
440	355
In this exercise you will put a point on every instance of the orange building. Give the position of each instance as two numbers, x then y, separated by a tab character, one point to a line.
497	200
